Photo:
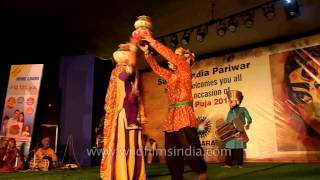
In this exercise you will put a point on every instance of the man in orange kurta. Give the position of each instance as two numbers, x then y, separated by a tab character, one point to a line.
180	125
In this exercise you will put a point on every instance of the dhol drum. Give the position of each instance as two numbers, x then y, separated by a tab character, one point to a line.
226	132
42	164
235	129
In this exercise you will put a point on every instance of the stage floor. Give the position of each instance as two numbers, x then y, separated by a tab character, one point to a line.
160	172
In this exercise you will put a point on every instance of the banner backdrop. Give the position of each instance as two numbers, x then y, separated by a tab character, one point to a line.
296	92
269	84
21	104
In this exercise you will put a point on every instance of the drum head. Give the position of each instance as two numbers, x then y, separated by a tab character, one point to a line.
238	124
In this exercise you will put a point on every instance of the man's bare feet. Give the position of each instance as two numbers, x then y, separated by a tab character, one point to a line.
226	166
202	176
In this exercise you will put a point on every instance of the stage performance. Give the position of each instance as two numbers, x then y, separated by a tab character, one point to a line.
160	90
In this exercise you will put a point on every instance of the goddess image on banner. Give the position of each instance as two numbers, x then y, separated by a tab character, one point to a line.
296	89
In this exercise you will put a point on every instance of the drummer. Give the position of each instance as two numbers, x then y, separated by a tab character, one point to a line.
46	152
237	115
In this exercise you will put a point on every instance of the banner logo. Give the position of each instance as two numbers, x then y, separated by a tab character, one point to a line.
204	126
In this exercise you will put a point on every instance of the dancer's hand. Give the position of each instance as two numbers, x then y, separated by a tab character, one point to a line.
144	34
147	35
144	48
130	69
134	41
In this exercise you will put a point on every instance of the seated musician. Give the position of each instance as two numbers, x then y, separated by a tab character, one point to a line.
237	144
46	153
10	158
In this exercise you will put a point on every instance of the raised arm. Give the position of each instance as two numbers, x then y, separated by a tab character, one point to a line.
164	51
164	73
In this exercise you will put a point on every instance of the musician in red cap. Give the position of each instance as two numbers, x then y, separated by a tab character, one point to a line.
240	118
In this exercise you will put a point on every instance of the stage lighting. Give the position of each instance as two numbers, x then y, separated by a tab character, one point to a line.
221	29
248	19
186	37
248	22
174	40
201	33
269	11
232	25
291	7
